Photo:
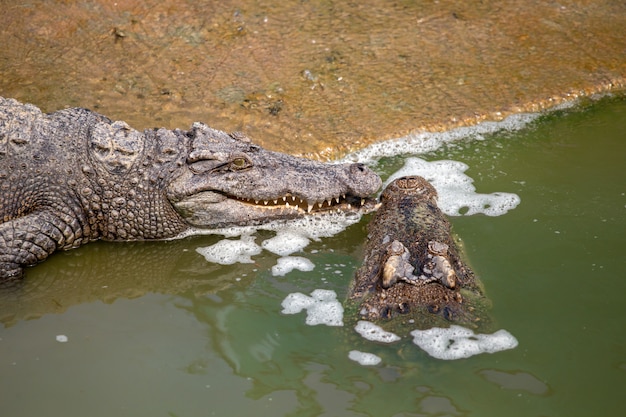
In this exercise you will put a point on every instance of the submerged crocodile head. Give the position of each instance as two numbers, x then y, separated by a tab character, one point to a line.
413	265
227	180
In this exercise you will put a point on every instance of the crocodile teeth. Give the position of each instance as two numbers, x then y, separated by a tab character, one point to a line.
298	203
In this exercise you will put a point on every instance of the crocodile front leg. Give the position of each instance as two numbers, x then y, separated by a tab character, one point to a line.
30	239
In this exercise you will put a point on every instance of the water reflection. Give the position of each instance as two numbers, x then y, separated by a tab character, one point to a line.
108	271
521	381
286	357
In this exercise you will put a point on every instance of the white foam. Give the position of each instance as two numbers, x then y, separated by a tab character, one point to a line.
457	194
364	358
371	331
291	236
228	252
422	142
457	342
322	307
287	264
313	226
316	226
61	338
286	242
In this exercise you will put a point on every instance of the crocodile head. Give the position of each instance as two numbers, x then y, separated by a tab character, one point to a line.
227	180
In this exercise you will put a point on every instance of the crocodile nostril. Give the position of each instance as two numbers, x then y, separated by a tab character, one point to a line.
363	181
359	168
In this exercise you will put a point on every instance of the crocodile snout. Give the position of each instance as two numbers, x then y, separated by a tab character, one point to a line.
362	180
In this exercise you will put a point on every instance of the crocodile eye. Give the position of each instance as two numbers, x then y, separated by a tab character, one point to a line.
240	163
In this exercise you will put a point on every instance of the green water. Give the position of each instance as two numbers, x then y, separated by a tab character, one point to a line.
154	330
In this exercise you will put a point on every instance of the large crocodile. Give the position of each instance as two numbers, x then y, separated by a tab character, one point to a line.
74	176
412	265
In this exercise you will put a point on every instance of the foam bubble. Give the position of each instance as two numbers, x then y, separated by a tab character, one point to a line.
228	252
316	226
422	142
289	263
322	307
364	358
296	302
61	338
457	342
291	236
371	331
313	226
457	194
286	242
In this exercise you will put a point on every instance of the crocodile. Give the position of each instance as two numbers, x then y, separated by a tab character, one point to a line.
75	176
413	265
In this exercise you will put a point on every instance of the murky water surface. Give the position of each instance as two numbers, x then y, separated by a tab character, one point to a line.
155	330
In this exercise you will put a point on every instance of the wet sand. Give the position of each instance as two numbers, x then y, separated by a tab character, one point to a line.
317	78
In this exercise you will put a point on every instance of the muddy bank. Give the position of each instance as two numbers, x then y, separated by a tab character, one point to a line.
311	77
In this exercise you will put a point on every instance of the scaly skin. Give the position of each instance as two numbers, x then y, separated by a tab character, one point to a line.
412	266
74	176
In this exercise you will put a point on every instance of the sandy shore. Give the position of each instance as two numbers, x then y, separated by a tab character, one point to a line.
311	77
